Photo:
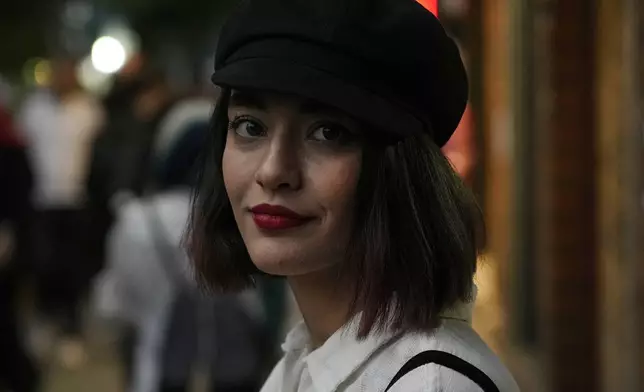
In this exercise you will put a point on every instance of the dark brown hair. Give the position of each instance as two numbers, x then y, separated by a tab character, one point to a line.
417	234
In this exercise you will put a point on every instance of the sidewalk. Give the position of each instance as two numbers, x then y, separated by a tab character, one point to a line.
99	373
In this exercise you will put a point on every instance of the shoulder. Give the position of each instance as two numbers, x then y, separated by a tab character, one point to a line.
83	101
37	110
454	337
127	244
434	378
172	209
85	107
274	381
130	226
180	114
131	250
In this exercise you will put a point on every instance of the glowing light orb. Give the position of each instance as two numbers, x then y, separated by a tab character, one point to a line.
108	55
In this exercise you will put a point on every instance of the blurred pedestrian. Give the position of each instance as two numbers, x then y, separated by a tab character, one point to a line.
148	282
60	124
120	166
120	125
18	371
121	154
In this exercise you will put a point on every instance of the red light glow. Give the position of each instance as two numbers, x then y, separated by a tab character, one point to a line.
431	5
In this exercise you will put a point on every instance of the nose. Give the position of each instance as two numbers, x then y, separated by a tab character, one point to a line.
281	168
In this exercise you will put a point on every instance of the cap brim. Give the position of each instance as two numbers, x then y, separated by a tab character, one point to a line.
282	76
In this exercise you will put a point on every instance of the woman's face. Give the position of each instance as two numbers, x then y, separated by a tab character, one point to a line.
291	169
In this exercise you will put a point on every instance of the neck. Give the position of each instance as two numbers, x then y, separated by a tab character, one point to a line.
323	302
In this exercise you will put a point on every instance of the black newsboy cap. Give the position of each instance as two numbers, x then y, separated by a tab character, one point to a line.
388	63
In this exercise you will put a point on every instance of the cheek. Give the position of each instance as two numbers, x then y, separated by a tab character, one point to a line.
336	183
237	172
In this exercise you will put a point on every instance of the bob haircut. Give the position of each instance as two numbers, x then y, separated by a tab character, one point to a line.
415	243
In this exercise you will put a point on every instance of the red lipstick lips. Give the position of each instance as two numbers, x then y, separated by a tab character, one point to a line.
269	217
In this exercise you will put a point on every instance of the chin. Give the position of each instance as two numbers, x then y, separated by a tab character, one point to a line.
281	266
285	262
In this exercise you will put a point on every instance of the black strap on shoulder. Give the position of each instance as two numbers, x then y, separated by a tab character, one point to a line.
449	361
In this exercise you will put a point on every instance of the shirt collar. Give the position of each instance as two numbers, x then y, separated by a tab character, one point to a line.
342	354
333	362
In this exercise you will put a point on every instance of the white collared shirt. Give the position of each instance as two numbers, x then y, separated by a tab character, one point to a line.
345	364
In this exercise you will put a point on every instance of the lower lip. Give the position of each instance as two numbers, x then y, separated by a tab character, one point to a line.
277	222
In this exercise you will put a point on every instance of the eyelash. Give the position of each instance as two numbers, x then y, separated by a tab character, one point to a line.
345	133
235	122
347	138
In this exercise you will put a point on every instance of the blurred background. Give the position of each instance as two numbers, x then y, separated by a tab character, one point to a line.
104	103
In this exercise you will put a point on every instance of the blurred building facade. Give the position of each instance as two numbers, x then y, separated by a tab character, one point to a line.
557	96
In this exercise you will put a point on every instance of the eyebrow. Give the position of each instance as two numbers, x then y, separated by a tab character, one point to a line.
247	99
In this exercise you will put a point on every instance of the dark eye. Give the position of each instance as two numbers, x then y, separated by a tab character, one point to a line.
247	128
329	133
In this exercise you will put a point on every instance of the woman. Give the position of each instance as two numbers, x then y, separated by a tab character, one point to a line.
325	168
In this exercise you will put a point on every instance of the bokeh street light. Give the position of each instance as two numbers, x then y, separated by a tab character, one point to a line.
108	55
